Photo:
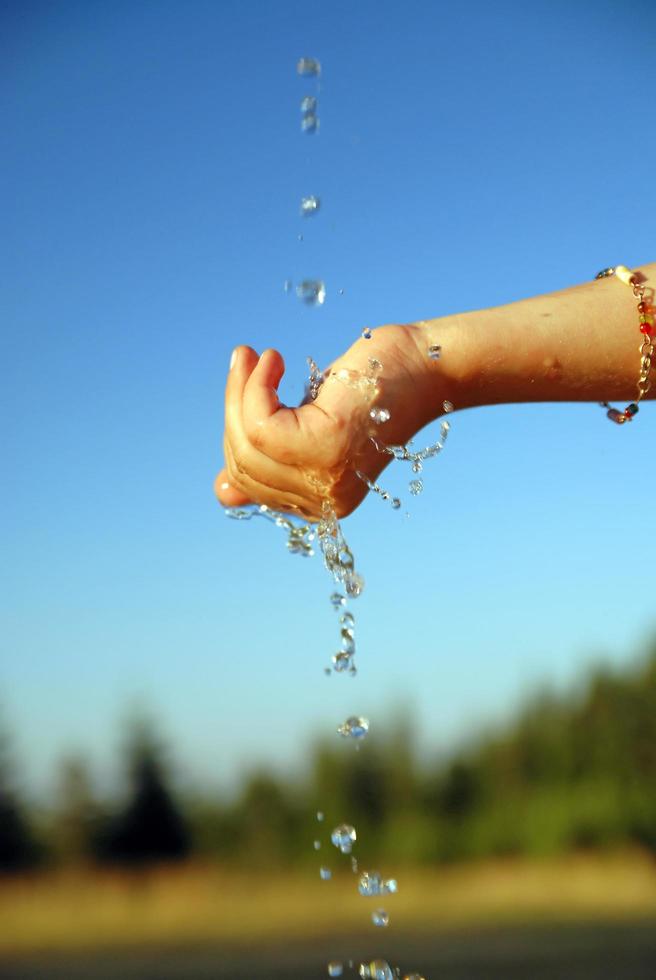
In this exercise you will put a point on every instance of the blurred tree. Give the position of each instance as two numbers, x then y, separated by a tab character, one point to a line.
150	827
18	847
77	815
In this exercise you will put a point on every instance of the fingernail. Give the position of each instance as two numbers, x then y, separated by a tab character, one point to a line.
233	358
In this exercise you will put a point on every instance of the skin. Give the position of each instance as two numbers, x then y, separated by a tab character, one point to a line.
579	344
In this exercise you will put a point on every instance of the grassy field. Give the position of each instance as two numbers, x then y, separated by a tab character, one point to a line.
173	906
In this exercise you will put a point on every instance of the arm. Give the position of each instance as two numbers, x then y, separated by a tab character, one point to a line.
580	344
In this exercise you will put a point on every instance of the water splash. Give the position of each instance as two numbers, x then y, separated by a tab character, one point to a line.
380	415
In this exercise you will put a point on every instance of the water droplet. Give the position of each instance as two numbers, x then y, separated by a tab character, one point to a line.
347	619
396	503
344	837
434	352
287	285
370	884
380	918
342	661
317	845
340	291
354	584
447	406
354	727
353	670
354	865
325	874
335	969
311	291
376	970
308	66
300	238
327	671
380	415
375	366
417	466
320	816
416	486
308	104
338	600
310	123
390	886
310	205
367	333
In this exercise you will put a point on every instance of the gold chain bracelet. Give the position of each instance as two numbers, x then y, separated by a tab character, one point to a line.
646	324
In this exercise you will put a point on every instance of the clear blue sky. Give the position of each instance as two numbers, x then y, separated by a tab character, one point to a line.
469	154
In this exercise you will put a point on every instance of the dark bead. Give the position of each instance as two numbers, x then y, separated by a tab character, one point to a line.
631	409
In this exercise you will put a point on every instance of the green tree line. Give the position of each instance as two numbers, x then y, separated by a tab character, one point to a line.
569	771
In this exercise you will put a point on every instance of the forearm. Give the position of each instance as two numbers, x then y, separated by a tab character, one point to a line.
580	344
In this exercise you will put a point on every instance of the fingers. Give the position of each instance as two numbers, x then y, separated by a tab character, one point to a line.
251	475
228	495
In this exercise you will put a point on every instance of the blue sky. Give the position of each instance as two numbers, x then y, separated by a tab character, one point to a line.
153	162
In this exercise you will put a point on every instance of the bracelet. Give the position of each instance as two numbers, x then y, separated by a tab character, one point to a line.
646	324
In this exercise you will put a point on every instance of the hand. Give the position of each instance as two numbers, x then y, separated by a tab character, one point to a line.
293	459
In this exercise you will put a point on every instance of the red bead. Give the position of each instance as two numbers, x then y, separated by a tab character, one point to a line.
647	329
642	307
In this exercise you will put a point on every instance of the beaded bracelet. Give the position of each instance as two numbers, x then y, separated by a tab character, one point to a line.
646	323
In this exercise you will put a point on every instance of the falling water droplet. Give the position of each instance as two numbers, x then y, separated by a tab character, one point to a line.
300	238
416	486
354	865
354	584
376	970
325	874
434	352
396	503
370	884
380	415
341	290
311	291
417	467
338	600
317	845
308	104
380	918
320	816
335	969
327	671
390	886
310	205
344	837
287	285
447	406
342	661
310	123
354	727
308	66
347	619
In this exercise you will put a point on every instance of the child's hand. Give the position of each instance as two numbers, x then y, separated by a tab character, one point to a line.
295	458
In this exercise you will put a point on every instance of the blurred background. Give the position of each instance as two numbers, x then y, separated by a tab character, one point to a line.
166	725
